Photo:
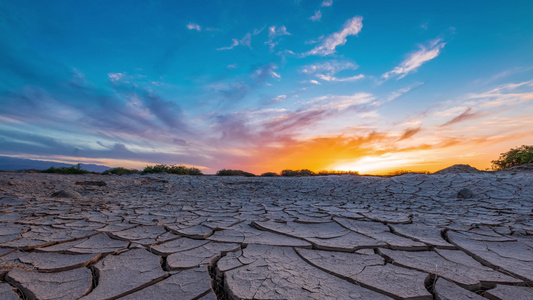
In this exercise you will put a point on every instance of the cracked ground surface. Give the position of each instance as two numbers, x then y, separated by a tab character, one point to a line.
208	237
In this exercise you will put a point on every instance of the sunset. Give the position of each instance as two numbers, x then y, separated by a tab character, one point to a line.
371	86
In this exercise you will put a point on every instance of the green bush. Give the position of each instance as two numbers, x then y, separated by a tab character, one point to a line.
514	157
302	172
269	174
120	171
172	169
67	170
228	172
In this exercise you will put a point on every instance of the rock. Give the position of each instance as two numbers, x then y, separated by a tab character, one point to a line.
61	285
186	284
278	273
446	290
66	194
501	292
126	273
513	257
465	193
93	183
371	272
198	256
53	262
7	292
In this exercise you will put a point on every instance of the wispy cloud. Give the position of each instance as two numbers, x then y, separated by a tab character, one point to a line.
326	3
414	60
193	26
351	27
273	33
341	79
329	67
245	41
466	115
316	17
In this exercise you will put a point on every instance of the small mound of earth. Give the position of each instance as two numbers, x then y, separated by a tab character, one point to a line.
521	168
458	169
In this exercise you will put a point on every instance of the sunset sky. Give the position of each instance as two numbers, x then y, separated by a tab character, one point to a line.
369	86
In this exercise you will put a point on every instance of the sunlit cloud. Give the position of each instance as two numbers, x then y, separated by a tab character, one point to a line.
416	59
351	27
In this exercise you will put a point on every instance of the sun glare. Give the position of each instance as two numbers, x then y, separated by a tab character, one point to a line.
376	164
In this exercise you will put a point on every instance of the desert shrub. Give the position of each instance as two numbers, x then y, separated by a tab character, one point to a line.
120	171
302	172
514	157
327	172
269	174
67	170
172	169
401	172
229	172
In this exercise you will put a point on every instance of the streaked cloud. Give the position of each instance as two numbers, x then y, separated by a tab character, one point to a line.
351	27
466	115
193	26
414	60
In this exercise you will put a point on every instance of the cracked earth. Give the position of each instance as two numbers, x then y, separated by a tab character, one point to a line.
447	236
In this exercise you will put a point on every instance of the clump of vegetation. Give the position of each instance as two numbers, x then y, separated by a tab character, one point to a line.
327	172
302	172
172	169
514	157
229	172
120	171
401	172
269	174
67	170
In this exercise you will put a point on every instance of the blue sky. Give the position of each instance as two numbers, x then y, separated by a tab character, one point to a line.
266	85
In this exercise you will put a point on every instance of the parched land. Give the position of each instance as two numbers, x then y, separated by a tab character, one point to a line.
446	236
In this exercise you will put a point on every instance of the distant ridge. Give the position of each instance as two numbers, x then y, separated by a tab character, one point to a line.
458	169
16	164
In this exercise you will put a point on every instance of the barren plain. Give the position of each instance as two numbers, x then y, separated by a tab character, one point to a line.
457	234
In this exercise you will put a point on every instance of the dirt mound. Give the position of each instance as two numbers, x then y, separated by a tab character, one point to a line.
458	169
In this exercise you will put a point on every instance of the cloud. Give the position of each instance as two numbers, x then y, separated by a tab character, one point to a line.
327	3
333	78
351	27
245	41
115	76
273	33
316	17
193	26
314	82
232	66
279	98
416	59
466	115
409	132
330	67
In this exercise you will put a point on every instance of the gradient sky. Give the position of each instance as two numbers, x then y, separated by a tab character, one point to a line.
261	86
